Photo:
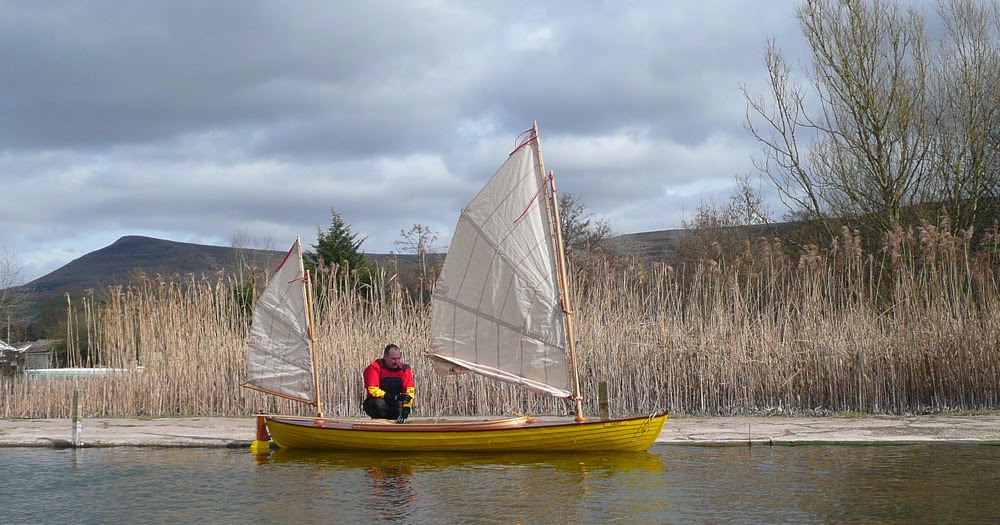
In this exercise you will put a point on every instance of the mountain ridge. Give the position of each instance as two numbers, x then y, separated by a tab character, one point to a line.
133	255
119	261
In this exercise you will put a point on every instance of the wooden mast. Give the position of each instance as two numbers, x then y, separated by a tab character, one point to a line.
556	226
307	286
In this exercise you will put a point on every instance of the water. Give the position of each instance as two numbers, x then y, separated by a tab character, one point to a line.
670	484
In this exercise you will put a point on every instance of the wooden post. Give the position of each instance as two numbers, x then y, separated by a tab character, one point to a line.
602	400
77	424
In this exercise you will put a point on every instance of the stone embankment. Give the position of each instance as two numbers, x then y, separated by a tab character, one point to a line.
239	432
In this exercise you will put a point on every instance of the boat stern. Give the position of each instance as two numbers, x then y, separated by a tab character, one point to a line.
261	443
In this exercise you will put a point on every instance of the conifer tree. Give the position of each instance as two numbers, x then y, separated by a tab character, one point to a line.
337	246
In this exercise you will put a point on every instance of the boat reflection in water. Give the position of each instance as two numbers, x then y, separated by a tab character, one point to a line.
483	488
389	489
582	462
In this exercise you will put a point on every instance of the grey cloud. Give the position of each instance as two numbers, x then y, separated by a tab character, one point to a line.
196	119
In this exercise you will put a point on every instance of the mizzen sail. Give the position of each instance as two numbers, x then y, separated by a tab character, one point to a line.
281	354
496	306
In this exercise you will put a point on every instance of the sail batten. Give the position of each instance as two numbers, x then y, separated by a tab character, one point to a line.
496	306
281	354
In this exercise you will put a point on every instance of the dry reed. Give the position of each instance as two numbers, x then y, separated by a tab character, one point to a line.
913	328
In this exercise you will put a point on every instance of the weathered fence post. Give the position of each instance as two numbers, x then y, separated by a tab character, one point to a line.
77	423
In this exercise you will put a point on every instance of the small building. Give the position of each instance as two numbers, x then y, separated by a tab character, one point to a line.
26	356
8	359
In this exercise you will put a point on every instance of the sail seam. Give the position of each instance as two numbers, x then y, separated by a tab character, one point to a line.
480	234
499	322
515	268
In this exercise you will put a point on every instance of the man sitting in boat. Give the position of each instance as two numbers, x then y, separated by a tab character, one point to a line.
389	385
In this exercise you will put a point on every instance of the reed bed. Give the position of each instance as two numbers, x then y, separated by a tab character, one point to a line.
912	328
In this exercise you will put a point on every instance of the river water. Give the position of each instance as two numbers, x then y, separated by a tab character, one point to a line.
934	483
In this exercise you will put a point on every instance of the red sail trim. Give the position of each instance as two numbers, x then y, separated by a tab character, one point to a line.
526	141
533	199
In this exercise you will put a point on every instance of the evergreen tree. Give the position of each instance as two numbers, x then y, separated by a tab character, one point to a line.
338	245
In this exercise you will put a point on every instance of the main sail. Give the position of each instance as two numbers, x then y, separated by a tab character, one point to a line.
281	354
496	305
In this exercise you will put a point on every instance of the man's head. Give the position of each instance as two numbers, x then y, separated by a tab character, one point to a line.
392	356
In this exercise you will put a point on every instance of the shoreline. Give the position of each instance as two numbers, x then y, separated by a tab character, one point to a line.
238	432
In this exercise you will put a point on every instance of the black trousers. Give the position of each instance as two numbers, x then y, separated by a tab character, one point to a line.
377	408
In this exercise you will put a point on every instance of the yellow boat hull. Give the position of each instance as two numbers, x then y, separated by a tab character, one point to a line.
503	435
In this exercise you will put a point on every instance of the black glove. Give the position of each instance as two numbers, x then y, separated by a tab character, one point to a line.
403	414
403	398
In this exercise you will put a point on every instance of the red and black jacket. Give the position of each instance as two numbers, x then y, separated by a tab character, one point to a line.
381	381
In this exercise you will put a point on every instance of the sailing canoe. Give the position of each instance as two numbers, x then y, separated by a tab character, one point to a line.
500	309
520	434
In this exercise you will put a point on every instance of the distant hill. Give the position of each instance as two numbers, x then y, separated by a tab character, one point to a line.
650	245
134	255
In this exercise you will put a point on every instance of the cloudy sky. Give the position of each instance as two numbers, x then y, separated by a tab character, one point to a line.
201	121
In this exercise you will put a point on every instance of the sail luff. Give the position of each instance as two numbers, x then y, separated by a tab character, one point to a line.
564	293
312	341
560	261
552	213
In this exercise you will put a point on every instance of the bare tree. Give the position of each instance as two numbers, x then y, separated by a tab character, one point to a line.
579	232
252	254
12	299
746	205
966	80
780	131
723	231
419	240
863	153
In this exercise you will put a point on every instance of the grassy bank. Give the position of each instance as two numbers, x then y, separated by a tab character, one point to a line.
912	328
